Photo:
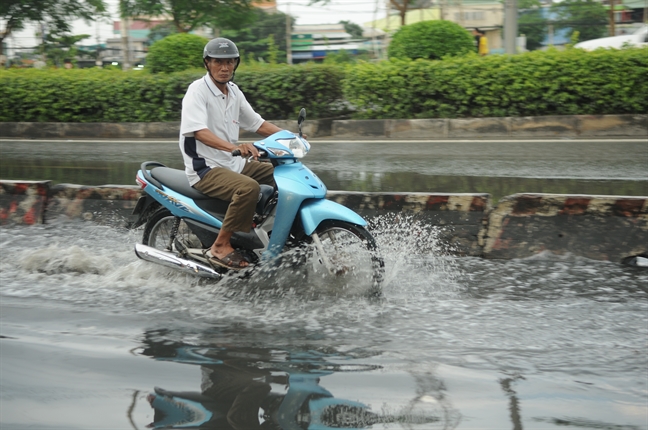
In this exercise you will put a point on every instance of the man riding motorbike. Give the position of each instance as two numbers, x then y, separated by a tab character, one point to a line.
213	111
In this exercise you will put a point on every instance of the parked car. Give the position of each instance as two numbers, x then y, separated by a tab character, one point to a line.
638	38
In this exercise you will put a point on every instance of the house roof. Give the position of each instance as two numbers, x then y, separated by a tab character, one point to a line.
635	4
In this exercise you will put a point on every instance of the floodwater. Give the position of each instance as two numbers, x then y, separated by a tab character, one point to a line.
604	167
88	331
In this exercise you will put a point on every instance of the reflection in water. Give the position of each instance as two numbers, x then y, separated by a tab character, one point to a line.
514	406
246	388
496	186
94	172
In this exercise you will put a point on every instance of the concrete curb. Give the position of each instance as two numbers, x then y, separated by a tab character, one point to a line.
597	227
569	126
608	228
23	202
460	218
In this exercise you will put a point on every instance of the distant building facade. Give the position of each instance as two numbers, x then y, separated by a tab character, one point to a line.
315	42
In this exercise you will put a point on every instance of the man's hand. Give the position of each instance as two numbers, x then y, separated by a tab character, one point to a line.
248	150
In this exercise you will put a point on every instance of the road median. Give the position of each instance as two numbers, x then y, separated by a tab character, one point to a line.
543	127
607	228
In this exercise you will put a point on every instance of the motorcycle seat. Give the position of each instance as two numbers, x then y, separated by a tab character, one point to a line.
177	181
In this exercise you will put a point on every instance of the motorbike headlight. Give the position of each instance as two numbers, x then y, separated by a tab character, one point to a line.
298	146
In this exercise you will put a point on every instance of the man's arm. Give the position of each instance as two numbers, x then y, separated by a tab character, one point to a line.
210	139
267	128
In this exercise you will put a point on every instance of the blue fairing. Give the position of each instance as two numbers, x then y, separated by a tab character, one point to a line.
180	205
313	212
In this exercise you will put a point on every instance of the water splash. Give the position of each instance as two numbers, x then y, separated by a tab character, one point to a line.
74	259
417	260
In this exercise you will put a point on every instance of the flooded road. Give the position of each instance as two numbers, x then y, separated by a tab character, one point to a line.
605	167
89	332
92	338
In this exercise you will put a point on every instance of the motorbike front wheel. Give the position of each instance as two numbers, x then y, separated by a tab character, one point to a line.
343	258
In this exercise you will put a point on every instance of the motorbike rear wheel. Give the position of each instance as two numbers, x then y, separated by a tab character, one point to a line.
346	260
157	233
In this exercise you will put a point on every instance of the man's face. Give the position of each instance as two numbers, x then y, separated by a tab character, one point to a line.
221	69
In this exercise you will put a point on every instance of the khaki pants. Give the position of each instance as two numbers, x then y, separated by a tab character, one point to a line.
240	189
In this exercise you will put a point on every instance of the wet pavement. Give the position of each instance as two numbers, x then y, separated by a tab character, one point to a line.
607	167
88	331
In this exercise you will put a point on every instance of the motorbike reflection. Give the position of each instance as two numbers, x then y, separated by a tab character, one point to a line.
259	388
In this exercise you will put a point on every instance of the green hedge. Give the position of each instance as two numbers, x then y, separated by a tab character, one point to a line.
279	92
531	84
537	83
91	95
96	95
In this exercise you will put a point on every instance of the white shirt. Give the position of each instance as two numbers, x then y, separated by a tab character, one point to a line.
205	106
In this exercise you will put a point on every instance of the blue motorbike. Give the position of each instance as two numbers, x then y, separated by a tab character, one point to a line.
294	223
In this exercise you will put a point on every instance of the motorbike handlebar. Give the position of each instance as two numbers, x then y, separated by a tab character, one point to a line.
237	153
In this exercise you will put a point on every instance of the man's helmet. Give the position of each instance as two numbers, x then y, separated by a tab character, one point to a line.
221	48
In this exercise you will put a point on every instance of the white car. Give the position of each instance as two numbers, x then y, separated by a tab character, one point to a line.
638	38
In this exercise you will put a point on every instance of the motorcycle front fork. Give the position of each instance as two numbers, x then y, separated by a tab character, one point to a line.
320	250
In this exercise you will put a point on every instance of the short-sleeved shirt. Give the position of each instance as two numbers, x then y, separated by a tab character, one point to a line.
205	106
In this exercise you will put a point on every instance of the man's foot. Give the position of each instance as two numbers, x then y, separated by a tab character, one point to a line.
233	260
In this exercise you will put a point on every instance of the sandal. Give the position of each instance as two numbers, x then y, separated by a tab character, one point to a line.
231	261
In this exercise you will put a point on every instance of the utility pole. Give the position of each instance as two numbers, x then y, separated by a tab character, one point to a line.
125	39
98	61
387	39
288	38
612	29
461	12
510	26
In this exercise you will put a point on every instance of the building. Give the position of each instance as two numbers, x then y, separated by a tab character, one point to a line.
487	15
314	42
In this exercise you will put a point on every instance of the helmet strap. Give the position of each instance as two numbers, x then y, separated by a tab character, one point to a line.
212	76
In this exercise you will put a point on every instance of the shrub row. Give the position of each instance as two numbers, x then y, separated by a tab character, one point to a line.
91	95
96	95
532	84
536	83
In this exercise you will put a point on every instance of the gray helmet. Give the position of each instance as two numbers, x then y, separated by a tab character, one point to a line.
220	48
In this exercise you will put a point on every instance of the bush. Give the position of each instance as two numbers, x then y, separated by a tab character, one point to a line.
98	95
278	92
175	53
91	95
570	82
431	40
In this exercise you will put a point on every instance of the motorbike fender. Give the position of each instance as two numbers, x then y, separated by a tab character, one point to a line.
146	205
313	212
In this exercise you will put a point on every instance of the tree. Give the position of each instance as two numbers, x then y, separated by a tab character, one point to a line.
58	48
431	40
189	15
267	32
588	17
160	31
57	15
532	23
353	29
175	53
402	6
